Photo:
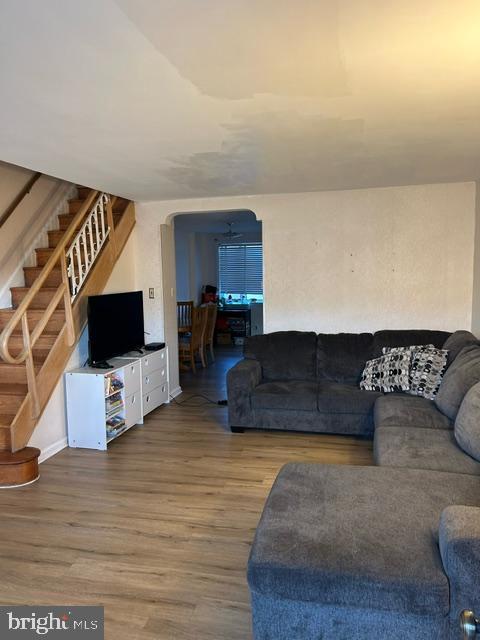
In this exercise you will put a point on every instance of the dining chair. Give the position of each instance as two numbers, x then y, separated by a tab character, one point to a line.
210	330
190	345
184	315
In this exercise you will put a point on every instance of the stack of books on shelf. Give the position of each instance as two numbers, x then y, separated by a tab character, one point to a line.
113	402
112	383
115	424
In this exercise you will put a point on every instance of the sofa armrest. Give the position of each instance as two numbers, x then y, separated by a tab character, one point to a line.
459	539
241	381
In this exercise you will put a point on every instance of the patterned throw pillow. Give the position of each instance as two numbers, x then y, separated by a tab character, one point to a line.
387	374
427	366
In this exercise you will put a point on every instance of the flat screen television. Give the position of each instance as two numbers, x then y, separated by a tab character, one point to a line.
115	326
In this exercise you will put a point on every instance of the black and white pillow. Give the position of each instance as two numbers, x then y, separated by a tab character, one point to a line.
427	367
387	374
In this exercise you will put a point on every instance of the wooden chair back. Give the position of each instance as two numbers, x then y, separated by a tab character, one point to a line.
199	324
211	321
184	314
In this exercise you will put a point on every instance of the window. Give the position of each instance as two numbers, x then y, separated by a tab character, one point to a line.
240	271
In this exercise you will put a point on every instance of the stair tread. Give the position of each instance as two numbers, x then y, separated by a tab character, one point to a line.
39	269
9	311
24	455
49	289
13	389
6	420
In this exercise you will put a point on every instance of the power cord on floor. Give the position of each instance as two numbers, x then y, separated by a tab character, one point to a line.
218	403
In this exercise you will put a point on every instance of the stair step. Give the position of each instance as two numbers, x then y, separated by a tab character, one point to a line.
19	468
11	397
16	373
43	255
42	348
40	301
54	325
54	278
120	205
83	192
75	205
65	219
5	439
54	237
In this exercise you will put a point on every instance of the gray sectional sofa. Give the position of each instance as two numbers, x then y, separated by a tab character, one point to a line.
390	551
302	381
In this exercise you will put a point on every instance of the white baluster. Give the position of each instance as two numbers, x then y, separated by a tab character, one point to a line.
92	247
102	219
79	280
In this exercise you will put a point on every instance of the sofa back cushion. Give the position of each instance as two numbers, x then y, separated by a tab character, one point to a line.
456	342
341	357
467	423
462	374
284	355
406	338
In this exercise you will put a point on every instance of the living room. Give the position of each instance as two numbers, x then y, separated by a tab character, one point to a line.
350	130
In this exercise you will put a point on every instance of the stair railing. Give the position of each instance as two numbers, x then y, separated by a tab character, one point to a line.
76	260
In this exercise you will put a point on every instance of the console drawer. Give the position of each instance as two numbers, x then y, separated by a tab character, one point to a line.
154	379
155	398
133	376
154	360
133	410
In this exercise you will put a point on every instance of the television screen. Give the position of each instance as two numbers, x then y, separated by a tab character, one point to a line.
115	325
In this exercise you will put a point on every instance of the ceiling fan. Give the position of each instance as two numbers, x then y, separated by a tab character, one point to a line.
230	234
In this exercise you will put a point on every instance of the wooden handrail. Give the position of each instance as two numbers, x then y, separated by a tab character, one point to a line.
18	199
35	288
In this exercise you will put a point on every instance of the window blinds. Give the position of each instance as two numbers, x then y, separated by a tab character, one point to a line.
240	268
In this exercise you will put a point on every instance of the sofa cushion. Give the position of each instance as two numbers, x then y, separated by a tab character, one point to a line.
284	355
467	423
434	449
463	373
364	535
456	342
294	395
388	373
405	338
341	357
334	397
398	410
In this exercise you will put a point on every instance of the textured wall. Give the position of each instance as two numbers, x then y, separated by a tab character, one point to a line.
361	260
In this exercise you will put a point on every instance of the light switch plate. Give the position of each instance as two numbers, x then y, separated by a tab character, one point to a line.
151	292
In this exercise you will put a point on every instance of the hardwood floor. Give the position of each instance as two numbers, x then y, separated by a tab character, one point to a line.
157	530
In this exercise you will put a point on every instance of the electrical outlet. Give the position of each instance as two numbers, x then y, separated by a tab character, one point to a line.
151	293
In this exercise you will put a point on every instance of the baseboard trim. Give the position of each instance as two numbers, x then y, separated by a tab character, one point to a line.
176	392
52	449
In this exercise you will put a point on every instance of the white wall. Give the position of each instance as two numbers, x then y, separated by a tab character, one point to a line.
476	267
50	434
360	260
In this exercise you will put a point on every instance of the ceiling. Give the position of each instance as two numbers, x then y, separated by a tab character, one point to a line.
167	99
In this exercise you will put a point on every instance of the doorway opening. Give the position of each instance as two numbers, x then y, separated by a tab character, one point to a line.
219	290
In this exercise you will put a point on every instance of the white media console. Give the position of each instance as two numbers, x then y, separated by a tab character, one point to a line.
104	403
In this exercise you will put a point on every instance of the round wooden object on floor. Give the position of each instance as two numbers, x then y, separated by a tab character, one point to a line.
18	468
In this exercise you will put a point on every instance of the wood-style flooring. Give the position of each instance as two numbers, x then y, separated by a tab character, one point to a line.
158	529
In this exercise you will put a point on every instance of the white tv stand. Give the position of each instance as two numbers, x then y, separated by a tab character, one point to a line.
104	403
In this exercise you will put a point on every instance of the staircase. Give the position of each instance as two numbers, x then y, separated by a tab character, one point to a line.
48	314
